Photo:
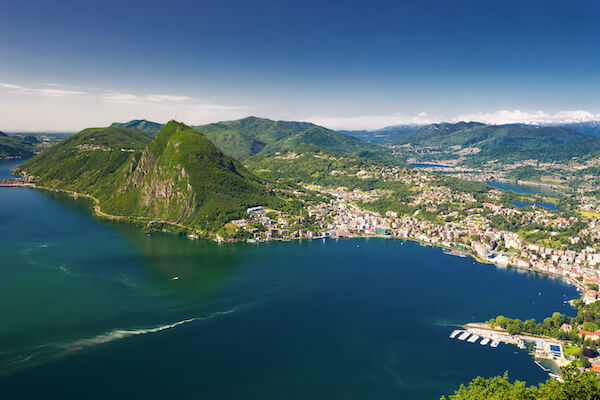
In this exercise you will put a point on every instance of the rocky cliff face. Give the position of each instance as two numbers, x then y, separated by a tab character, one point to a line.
182	177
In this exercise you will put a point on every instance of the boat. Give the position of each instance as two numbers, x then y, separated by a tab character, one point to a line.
484	341
495	343
473	339
454	333
464	335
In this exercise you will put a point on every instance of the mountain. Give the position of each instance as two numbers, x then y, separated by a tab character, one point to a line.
434	133
141	124
179	176
389	134
250	136
12	146
507	142
589	128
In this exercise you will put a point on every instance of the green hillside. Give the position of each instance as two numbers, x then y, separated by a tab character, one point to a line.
251	136
85	159
141	124
508	142
179	176
17	146
309	164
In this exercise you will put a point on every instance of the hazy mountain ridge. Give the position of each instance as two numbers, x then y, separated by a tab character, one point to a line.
12	146
507	142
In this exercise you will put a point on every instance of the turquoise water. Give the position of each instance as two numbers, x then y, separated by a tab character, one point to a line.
518	188
95	310
548	205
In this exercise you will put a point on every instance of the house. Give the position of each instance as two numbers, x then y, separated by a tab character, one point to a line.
589	335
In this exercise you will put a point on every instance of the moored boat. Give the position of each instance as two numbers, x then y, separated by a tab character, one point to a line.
454	333
473	339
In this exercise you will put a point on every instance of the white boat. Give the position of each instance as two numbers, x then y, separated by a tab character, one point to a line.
464	335
484	341
473	339
495	343
454	333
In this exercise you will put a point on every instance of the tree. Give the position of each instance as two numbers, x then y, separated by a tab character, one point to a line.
576	386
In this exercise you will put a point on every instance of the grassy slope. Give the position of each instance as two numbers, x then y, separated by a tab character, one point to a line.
69	167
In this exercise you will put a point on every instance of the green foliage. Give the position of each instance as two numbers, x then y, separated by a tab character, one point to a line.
17	146
179	177
576	386
141	124
86	158
250	136
588	316
508	143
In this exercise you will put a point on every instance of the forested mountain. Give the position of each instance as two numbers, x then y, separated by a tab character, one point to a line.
250	136
17	146
507	142
179	176
589	128
141	124
389	134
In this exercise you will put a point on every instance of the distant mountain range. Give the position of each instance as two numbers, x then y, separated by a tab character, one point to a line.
507	142
388	134
17	146
253	136
589	128
395	133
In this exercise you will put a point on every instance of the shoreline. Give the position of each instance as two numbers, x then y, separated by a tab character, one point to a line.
452	251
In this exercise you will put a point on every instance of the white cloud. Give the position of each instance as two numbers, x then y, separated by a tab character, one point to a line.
529	117
42	91
129	98
372	121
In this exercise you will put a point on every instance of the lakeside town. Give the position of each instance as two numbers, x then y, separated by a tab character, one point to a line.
466	232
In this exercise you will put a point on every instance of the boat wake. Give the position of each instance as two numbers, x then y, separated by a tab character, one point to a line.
11	362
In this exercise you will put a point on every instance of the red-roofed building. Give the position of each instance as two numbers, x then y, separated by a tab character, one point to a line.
589	335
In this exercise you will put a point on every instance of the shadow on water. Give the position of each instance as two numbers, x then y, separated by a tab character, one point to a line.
194	268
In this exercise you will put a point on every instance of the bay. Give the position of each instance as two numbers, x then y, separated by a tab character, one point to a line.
95	310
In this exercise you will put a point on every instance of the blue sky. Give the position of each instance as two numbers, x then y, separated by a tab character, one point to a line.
66	65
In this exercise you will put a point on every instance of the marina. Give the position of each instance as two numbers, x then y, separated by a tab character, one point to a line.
455	333
473	339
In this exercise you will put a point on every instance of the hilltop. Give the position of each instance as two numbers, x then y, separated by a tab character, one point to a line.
252	136
141	124
178	177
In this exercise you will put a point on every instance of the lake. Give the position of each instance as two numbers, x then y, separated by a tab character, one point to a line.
96	310
521	204
519	188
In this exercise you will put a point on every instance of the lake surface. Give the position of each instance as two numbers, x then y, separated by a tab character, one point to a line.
518	188
95	310
428	165
521	204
